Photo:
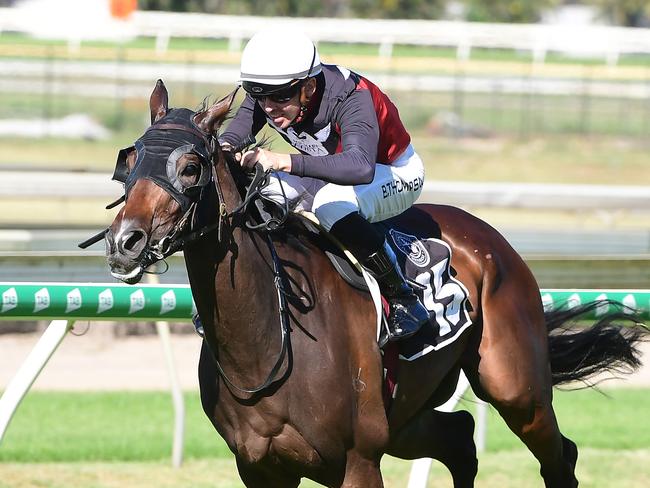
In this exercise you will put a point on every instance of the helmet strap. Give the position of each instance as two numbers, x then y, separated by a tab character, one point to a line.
301	115
305	103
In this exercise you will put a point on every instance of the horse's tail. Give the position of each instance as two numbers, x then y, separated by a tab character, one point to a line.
610	344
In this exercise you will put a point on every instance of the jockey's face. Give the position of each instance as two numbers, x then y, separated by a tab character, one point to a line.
283	112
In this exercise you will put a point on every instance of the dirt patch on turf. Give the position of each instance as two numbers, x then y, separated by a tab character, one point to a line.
100	361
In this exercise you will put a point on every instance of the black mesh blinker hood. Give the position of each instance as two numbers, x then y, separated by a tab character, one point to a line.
158	151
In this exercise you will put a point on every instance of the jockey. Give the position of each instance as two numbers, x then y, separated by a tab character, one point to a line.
356	163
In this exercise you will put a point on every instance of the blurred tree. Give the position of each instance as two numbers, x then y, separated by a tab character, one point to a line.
477	10
210	6
336	8
629	13
294	8
387	9
397	9
519	11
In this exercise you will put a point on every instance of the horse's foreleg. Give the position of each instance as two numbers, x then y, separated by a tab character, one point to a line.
447	437
260	476
361	472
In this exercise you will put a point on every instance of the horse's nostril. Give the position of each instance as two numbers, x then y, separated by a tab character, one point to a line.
133	242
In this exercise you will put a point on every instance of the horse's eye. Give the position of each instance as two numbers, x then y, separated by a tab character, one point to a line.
191	170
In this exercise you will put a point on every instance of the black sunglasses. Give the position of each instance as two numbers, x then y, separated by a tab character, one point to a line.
280	96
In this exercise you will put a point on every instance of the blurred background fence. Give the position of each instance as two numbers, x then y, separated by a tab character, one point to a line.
457	77
458	103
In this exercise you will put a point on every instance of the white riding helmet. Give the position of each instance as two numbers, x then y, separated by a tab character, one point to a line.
274	59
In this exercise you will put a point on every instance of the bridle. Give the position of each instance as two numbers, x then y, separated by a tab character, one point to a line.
189	197
206	148
188	139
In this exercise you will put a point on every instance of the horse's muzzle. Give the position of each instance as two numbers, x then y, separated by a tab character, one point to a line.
124	253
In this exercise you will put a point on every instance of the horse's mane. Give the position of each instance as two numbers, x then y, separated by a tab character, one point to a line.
242	176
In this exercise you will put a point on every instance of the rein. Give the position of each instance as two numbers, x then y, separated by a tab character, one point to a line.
253	193
284	328
178	237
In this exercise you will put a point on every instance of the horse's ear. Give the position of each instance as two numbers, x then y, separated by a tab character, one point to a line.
211	119
158	102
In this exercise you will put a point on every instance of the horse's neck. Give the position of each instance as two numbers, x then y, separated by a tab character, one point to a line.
245	298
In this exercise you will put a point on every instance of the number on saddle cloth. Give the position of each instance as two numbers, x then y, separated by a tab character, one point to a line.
426	262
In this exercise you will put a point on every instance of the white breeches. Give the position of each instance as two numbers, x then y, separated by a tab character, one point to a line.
394	189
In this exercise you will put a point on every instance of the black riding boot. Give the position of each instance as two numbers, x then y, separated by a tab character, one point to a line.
407	314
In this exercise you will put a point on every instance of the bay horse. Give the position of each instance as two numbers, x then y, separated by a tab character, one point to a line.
290	369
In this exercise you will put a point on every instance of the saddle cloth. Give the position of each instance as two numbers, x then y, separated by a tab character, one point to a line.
426	263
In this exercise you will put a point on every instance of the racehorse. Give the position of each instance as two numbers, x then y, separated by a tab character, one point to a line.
290	369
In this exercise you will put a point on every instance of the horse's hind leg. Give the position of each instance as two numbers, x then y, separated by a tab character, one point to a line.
511	371
536	426
447	437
